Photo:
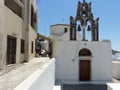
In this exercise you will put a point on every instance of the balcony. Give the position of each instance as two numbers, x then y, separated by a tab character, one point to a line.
14	6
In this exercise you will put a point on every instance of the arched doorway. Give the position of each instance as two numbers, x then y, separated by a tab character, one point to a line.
84	65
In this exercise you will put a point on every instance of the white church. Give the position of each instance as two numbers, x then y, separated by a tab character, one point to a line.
78	58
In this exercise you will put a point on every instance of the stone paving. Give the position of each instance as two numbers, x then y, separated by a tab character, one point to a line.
85	87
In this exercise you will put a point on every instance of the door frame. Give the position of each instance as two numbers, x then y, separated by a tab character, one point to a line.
12	37
90	68
85	58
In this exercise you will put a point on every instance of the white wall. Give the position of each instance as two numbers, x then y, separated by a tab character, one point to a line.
116	69
12	26
41	79
2	47
32	37
57	32
101	59
58	29
113	86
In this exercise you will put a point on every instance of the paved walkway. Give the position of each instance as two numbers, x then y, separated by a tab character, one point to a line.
13	75
85	87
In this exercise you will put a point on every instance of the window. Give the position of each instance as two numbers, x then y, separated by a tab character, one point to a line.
32	47
65	30
33	18
32	15
22	45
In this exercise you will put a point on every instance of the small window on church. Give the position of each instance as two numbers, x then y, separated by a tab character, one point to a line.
65	30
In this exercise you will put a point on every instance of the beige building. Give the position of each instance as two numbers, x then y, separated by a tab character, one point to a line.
18	30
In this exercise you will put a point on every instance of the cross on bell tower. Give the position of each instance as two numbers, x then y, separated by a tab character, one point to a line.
84	16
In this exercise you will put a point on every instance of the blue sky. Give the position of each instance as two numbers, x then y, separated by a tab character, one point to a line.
58	11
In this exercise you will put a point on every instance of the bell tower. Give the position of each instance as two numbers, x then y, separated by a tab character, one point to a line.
87	22
72	28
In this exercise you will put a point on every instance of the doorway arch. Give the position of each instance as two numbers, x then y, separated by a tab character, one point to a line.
85	52
84	64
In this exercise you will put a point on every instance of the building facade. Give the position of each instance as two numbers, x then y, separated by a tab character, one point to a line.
18	30
79	58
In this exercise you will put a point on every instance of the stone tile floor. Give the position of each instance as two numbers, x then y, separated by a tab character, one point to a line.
85	87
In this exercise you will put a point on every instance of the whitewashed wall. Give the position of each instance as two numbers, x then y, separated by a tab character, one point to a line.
113	86
116	69
57	34
41	79
58	29
67	59
101	65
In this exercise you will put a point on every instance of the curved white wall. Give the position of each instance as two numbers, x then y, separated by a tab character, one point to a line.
58	29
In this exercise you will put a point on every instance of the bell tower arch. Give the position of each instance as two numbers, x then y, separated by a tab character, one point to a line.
84	16
72	28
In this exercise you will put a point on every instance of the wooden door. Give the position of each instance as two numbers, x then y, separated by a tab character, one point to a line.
84	70
11	50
